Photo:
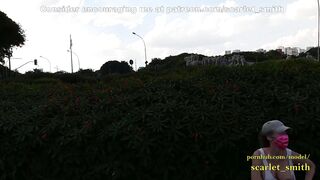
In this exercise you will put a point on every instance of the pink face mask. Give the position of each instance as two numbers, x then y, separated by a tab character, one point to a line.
281	141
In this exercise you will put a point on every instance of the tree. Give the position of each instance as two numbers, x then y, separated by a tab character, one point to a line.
111	67
11	35
86	72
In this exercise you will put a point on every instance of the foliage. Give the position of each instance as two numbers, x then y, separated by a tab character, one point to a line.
260	56
115	67
86	72
11	35
168	63
189	123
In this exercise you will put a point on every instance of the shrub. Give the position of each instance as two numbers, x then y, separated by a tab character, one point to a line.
195	123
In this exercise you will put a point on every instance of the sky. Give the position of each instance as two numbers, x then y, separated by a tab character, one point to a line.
170	29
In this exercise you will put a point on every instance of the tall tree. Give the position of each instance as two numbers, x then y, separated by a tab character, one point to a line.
11	35
111	67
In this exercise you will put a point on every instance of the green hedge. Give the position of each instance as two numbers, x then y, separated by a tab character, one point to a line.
193	123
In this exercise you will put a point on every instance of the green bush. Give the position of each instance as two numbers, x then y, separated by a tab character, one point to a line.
192	123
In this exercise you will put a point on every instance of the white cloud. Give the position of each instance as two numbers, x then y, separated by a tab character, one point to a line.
99	37
303	38
302	10
111	19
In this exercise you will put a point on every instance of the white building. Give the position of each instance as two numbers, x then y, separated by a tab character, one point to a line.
236	51
291	51
301	50
295	51
288	51
228	52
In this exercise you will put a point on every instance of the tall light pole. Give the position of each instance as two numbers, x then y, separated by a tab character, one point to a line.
71	54
135	64
318	29
57	68
47	60
77	58
145	47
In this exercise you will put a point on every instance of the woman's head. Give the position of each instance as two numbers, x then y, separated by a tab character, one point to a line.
274	133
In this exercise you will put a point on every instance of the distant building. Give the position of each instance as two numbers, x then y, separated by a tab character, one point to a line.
282	48
291	51
261	51
301	50
228	52
280	51
295	51
236	51
288	50
234	60
193	60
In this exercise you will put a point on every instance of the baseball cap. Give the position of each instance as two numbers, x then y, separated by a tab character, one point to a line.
273	125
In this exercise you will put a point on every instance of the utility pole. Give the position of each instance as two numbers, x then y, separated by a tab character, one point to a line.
9	63
71	54
9	66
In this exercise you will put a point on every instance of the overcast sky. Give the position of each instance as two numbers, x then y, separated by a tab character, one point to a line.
102	36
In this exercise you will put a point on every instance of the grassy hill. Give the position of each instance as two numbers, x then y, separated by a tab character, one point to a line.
184	123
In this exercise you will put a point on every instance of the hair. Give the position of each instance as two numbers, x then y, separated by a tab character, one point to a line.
264	142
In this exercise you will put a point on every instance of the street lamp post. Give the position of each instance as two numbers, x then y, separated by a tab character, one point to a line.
47	60
318	30
77	57
71	54
145	47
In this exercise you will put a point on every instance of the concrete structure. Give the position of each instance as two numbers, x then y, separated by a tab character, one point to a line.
280	51
291	51
228	52
193	60
301	50
237	60
236	51
282	48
